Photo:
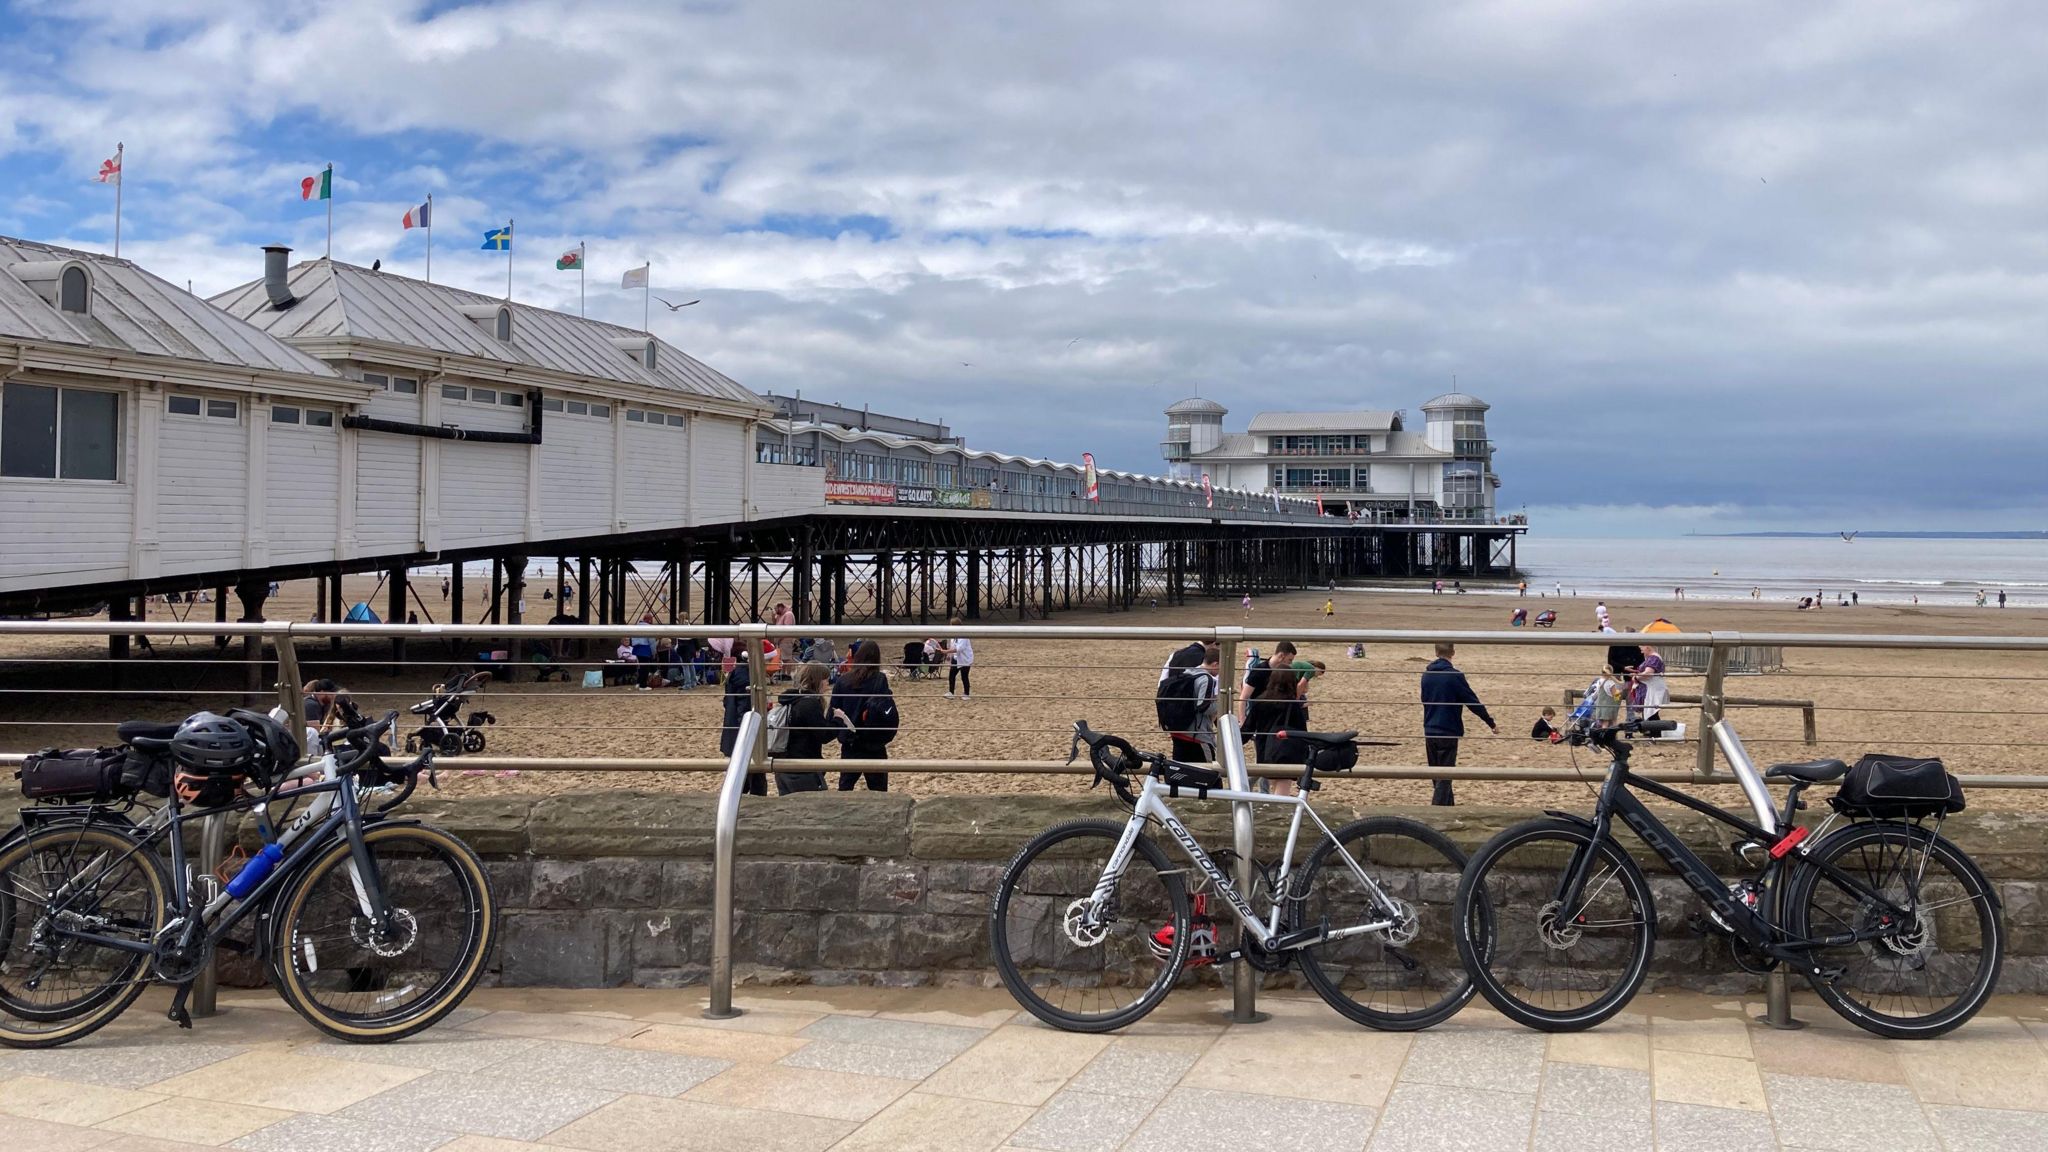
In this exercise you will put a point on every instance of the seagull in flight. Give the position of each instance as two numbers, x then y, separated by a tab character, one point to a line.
676	307
1849	537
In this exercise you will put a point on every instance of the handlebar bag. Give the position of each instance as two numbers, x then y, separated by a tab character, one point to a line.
74	774
1898	787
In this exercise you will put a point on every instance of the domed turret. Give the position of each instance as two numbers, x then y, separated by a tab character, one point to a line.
1455	422
1193	426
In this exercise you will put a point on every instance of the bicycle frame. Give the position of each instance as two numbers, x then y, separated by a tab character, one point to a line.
1617	798
1152	806
336	807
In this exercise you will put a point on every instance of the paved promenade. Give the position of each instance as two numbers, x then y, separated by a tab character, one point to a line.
885	1070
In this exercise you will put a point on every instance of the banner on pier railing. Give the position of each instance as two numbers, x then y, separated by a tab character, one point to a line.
1088	476
859	492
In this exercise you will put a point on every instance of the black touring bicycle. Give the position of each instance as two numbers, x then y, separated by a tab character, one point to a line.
372	927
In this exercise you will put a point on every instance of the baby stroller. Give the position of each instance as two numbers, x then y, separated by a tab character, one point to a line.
1546	618
444	728
913	660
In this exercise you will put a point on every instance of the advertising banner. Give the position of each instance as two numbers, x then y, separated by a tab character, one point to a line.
916	497
980	498
1208	493
859	492
953	498
1088	475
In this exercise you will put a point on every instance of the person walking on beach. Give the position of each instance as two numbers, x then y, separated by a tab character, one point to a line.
959	653
866	712
1247	605
1445	696
444	587
738	701
1188	700
2001	597
1521	588
1330	608
809	728
1600	616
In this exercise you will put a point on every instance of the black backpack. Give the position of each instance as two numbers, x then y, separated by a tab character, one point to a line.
1180	699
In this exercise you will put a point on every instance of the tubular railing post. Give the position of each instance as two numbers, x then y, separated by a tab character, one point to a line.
1712	704
288	680
757	693
1244	979
212	846
723	836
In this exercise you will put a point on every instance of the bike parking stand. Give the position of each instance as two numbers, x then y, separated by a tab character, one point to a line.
1778	1003
1244	979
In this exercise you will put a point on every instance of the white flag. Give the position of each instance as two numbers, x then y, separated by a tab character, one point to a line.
636	278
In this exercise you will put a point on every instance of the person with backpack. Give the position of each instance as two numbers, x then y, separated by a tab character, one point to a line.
1188	700
1445	697
738	702
1279	707
798	729
1257	670
865	710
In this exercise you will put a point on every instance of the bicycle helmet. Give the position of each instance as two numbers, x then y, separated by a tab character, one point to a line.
209	742
275	751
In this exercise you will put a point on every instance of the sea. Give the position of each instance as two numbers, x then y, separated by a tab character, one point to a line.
1880	570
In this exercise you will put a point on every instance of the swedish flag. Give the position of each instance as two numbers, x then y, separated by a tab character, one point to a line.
498	239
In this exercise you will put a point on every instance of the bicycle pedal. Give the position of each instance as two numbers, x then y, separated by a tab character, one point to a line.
177	1014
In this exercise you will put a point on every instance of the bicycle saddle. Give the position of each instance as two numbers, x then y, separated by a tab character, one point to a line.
146	735
1326	739
1811	771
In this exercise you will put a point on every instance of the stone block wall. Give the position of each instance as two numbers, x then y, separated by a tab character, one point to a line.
614	888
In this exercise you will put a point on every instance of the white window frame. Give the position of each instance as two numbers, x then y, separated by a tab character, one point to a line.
120	438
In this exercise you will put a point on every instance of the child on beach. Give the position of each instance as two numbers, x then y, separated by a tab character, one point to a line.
1329	608
1605	692
1544	727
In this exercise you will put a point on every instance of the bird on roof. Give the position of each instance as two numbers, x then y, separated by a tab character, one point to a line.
376	265
675	307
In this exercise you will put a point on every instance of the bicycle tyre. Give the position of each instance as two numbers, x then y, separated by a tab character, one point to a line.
1014	892
23	1025
473	914
1319	962
1805	895
1487	956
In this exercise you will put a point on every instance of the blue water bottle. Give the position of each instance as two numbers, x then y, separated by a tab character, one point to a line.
255	870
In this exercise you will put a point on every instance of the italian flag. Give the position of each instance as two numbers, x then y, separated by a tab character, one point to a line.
319	186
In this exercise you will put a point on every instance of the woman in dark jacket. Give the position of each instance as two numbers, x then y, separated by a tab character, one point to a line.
866	713
739	700
1278	707
809	728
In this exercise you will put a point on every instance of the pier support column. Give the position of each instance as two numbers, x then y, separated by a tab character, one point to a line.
335	612
952	583
252	594
974	584
394	613
119	610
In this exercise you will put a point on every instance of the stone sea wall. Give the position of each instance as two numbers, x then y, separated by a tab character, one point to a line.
614	888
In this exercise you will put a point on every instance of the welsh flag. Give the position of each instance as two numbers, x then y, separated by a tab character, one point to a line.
570	261
319	186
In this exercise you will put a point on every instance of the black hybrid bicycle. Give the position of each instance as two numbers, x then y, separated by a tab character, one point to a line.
371	928
1891	923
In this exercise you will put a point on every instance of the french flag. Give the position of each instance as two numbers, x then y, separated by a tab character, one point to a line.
421	217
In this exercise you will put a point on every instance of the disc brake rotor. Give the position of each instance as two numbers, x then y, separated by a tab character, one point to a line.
1084	925
1406	927
1555	932
404	931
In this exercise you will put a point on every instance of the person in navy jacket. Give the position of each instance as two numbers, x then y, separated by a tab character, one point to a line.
1445	697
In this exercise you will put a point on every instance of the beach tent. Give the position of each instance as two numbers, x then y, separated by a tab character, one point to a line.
1660	624
361	614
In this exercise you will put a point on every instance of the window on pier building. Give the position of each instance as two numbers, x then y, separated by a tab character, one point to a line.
52	433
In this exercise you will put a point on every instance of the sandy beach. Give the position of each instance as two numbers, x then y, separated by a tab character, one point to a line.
1981	712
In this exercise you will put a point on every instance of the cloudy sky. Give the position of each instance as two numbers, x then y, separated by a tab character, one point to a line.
1717	265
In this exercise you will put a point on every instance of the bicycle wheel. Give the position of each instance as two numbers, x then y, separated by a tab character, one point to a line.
1543	966
1933	974
1400	978
356	984
84	878
1079	968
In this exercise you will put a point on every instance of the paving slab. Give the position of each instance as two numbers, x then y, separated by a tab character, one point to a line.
485	1104
1842	1115
1438	1118
1200	1118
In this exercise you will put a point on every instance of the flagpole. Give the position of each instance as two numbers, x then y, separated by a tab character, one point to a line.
120	178
647	299
430	237
582	262
508	258
330	211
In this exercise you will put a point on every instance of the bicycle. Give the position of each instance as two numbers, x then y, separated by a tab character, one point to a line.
1376	947
371	928
1894	926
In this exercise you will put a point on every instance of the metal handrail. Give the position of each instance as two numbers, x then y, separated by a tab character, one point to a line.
724	833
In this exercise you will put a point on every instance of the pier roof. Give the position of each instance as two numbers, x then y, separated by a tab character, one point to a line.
338	301
130	311
1270	423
